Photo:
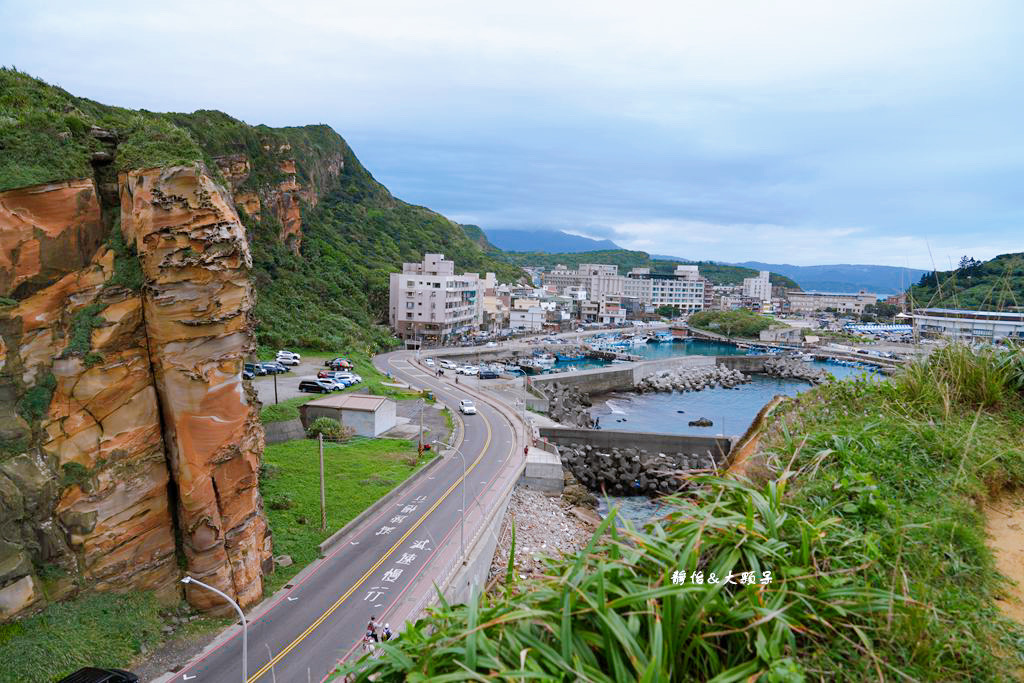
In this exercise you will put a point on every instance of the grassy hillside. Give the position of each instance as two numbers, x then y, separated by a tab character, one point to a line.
868	514
333	294
997	284
626	259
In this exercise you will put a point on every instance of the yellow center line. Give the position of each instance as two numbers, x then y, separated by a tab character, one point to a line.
330	610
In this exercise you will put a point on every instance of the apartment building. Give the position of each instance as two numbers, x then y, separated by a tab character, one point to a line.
758	287
684	288
430	302
809	302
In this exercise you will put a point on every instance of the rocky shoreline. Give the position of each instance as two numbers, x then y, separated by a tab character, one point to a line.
691	379
633	471
545	527
793	368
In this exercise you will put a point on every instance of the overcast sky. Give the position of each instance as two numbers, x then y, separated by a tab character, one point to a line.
800	132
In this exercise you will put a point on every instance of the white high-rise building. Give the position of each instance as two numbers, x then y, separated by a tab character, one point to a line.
431	303
759	287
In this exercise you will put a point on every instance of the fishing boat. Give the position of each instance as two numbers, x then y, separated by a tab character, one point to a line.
569	357
530	367
544	360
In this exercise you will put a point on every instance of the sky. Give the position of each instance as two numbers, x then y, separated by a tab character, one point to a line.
882	132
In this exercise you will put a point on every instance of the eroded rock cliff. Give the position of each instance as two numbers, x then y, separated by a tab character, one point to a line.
197	301
122	410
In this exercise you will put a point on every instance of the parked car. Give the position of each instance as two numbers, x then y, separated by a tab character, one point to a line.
255	368
492	343
93	675
335	384
316	386
248	374
273	367
289	354
349	376
429	362
467	407
287	360
487	374
338	363
468	370
447	364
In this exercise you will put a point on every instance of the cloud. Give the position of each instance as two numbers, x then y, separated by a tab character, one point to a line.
729	131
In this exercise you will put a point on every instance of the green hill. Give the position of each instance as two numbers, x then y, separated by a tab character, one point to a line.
626	259
332	291
997	284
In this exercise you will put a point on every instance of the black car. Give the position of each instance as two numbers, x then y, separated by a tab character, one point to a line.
255	368
314	386
487	374
93	675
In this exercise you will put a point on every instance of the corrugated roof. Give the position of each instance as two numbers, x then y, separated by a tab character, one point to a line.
367	402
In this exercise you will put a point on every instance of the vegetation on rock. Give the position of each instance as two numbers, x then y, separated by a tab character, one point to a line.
997	284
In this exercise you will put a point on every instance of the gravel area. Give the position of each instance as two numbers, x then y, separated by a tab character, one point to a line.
545	526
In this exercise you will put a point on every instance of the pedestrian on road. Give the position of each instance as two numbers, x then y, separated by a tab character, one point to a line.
387	632
371	629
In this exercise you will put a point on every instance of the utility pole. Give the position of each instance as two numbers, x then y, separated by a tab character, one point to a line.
323	496
423	403
275	388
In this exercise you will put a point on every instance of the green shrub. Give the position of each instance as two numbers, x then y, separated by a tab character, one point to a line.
738	323
330	428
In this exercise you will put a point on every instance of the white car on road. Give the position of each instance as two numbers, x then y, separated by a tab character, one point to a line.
429	362
446	364
468	370
467	407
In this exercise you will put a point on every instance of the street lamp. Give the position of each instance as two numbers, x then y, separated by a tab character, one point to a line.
245	626
462	520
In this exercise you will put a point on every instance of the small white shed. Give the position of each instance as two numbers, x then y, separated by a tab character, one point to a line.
367	414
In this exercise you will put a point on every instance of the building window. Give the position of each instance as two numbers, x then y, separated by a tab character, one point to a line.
408	304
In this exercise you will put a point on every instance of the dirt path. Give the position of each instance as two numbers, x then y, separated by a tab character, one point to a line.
1005	527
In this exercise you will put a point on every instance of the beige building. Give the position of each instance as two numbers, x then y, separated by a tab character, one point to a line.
684	288
431	303
810	302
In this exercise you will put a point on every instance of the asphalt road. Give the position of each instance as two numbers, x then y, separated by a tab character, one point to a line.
317	621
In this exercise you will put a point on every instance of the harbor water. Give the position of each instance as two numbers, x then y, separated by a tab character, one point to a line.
730	410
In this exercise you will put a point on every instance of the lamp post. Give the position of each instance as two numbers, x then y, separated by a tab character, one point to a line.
462	520
245	626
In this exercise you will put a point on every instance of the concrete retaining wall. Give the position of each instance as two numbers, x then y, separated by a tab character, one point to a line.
543	471
286	430
661	443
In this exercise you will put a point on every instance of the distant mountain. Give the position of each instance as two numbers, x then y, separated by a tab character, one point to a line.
845	277
551	241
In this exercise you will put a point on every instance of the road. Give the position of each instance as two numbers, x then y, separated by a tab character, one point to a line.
386	568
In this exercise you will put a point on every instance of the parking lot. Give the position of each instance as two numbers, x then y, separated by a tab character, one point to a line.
287	382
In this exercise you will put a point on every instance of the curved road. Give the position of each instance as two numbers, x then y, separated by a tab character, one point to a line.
385	568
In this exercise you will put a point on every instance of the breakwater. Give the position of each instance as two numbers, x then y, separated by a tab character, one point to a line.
691	379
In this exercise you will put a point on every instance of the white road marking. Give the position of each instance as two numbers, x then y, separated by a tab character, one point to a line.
354	543
186	677
292	599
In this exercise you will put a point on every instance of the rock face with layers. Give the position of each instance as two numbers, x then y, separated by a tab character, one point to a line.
282	198
196	303
83	474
